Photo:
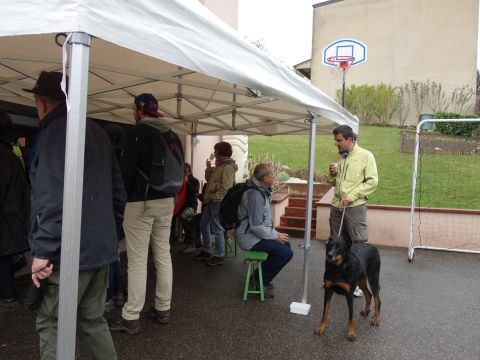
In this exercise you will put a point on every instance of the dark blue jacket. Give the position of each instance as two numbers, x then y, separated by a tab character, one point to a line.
103	194
14	203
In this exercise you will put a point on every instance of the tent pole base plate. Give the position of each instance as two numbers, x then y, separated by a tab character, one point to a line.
299	308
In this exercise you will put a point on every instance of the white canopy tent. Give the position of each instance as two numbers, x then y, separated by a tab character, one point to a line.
207	78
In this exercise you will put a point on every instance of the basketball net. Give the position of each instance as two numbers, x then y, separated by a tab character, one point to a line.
340	65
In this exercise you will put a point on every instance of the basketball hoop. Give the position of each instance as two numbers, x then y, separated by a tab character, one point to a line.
341	64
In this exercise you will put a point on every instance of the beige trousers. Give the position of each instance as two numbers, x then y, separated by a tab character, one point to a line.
147	223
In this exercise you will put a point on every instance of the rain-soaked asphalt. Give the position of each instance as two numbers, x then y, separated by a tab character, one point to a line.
430	310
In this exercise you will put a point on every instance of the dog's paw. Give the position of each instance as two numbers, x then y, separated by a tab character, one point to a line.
352	337
375	321
365	312
319	330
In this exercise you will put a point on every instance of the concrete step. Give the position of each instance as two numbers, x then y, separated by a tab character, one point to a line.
294	221
295	232
300	201
299	211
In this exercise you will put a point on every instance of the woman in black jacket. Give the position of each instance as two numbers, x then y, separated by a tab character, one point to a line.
14	212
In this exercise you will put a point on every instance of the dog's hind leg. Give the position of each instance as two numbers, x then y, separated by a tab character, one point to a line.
362	284
351	334
320	329
375	286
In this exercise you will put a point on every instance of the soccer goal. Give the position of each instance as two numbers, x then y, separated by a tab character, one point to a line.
445	207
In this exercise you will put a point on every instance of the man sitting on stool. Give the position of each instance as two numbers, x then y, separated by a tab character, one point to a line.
256	231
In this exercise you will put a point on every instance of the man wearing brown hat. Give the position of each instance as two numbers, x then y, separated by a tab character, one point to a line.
102	209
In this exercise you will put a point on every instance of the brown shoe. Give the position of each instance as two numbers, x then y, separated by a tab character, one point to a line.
268	291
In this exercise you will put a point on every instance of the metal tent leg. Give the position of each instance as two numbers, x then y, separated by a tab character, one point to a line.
72	196
303	307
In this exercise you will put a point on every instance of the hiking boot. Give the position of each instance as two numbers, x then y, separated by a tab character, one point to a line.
162	316
216	260
358	292
119	324
268	291
202	256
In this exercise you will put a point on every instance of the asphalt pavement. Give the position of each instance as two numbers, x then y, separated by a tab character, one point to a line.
430	310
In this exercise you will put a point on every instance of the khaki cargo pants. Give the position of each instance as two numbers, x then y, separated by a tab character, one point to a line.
354	223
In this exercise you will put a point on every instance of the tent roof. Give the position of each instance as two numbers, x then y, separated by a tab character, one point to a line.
208	80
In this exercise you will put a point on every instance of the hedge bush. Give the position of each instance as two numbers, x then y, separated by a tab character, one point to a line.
460	128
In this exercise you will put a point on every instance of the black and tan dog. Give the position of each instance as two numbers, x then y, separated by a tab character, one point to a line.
347	266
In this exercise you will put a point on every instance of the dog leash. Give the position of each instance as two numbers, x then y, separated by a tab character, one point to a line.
341	221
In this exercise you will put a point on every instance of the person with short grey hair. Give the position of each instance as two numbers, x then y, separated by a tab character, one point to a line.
256	230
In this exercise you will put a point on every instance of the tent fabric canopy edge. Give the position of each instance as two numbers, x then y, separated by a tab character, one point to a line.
238	63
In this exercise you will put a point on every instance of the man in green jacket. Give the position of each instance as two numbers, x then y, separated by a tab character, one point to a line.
354	177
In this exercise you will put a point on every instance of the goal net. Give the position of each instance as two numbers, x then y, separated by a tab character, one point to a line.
445	207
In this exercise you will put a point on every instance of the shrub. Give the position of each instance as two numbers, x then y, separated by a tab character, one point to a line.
460	98
460	128
371	102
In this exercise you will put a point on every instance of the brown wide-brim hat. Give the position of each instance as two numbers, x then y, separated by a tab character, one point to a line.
48	84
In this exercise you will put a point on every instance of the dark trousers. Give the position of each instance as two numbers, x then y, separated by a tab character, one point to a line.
279	254
7	277
91	326
192	231
115	286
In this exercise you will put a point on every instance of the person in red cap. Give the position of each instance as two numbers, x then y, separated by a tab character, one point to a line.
102	208
152	168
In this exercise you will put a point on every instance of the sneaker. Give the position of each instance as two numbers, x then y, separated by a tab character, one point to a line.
202	256
268	291
163	317
8	300
190	249
119	324
116	301
358	292
216	260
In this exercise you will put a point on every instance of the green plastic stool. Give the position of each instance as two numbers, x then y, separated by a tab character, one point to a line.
254	260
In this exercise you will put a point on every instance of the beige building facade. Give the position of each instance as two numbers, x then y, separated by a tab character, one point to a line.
406	40
227	10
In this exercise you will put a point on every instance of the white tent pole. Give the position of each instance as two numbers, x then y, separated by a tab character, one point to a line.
72	196
308	225
303	308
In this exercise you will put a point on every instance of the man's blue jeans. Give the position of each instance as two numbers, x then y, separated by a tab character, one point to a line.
279	254
210	218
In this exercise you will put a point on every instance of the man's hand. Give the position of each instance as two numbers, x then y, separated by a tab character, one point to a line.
346	201
208	164
333	168
282	237
40	270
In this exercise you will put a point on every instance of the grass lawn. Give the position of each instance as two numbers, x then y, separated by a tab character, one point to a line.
446	180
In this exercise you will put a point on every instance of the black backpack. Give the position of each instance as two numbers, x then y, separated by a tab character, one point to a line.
230	203
166	174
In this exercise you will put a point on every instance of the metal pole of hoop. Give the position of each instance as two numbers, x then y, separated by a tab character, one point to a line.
343	63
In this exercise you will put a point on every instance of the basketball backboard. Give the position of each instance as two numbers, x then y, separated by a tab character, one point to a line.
346	48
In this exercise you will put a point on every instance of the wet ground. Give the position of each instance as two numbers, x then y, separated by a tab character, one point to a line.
430	310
